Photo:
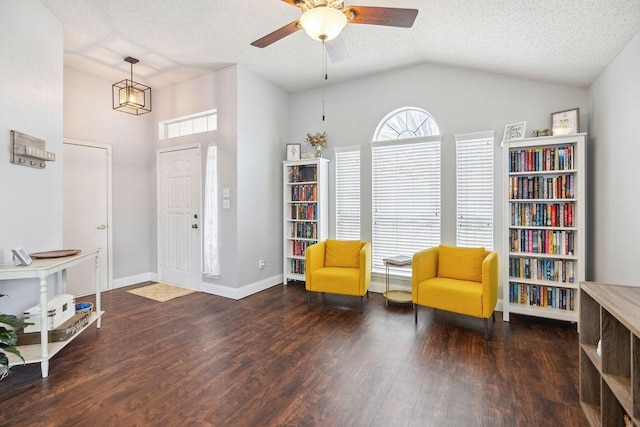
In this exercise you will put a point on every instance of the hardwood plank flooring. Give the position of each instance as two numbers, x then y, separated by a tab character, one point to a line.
270	359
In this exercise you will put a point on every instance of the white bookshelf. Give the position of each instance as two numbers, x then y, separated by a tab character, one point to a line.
543	256
305	211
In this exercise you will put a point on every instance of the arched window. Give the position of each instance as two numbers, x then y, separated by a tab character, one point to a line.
405	185
408	122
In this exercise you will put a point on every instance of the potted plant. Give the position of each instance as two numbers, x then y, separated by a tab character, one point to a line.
9	340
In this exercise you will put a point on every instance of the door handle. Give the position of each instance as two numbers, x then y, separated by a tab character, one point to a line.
194	225
101	227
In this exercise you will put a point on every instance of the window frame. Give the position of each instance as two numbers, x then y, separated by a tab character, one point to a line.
188	125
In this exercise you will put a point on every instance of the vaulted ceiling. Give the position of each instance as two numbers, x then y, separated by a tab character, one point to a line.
568	42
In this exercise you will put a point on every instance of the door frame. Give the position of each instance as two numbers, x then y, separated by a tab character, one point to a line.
160	151
108	149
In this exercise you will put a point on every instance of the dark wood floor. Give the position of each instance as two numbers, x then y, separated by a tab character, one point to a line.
269	359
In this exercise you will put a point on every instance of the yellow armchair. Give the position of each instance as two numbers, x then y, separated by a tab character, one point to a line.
461	280
338	267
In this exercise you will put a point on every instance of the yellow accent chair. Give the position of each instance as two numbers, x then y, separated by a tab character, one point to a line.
456	279
338	267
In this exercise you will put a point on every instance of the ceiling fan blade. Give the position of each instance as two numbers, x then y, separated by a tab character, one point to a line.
291	2
336	49
388	16
278	34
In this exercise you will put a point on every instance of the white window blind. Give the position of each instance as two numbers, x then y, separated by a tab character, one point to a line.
406	197
474	172
348	194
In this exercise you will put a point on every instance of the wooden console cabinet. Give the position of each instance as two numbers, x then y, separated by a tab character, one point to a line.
610	382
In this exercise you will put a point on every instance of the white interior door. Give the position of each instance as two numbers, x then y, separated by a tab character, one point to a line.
178	216
86	212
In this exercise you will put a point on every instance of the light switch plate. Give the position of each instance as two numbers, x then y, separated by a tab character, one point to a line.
226	192
226	204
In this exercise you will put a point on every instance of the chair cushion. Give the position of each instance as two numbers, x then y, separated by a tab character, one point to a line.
342	253
336	280
458	296
460	263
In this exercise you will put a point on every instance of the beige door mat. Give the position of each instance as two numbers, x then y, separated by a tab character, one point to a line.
161	292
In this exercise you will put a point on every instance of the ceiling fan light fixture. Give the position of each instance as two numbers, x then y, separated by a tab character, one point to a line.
323	22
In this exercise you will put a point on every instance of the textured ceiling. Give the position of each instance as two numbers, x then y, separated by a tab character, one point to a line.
569	41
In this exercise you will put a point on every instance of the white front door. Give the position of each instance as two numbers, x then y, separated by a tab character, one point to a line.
179	216
86	190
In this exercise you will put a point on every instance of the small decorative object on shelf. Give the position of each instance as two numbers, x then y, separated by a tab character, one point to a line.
566	122
318	141
514	131
293	151
627	421
541	132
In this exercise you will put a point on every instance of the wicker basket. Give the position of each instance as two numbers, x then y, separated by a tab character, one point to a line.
84	307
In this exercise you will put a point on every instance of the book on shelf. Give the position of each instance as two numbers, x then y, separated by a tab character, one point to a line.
398	260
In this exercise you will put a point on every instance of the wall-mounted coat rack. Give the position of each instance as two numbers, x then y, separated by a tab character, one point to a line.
29	151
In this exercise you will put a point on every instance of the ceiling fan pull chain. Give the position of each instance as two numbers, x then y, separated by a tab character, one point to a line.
324	71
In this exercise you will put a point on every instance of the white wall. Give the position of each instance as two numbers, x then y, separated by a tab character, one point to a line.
31	102
614	199
263	121
252	124
217	90
89	116
461	101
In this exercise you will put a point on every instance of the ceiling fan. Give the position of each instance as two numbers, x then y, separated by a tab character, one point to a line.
324	19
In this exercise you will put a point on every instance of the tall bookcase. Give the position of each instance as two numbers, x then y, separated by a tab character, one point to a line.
306	211
543	259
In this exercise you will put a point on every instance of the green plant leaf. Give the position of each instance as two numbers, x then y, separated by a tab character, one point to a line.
7	337
13	321
13	350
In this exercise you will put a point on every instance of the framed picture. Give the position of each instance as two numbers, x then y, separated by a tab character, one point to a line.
565	122
514	131
21	257
293	151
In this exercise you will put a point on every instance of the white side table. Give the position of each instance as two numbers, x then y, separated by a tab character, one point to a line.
396	295
42	269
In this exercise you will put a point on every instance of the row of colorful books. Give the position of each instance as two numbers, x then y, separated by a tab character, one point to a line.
558	242
541	159
297	266
303	173
304	193
556	270
304	230
541	187
542	214
542	296
299	246
308	211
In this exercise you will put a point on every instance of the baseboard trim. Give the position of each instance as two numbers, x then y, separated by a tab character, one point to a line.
243	291
133	280
376	285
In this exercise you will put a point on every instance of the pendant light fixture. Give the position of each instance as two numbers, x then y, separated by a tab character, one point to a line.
129	96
